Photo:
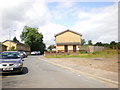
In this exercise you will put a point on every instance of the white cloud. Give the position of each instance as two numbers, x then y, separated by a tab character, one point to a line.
99	24
65	5
49	30
20	13
63	9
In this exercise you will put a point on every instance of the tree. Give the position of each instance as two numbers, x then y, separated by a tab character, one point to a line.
51	47
83	42
15	40
118	45
113	45
33	38
90	42
99	44
106	45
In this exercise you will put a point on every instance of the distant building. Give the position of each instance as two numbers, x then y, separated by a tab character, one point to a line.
18	46
2	47
68	41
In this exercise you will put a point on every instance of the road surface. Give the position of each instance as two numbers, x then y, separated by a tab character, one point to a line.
39	74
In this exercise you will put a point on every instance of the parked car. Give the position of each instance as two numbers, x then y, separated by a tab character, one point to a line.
11	62
38	52
35	53
23	54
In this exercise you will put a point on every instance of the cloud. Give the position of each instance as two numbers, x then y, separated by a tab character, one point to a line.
98	24
62	9
49	30
20	13
65	5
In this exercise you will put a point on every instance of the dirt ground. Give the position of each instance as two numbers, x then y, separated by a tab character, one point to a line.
108	64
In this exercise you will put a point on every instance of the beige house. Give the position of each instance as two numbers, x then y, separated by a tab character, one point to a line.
68	41
2	47
18	46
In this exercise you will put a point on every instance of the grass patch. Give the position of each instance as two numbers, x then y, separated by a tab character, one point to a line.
104	54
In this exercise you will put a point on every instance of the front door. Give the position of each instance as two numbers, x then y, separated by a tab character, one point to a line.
66	48
74	48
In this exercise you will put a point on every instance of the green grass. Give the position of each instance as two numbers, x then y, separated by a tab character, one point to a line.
104	54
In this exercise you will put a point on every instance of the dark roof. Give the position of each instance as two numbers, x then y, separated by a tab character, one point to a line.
69	43
68	30
16	42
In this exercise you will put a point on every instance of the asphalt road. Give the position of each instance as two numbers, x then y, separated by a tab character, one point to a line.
39	74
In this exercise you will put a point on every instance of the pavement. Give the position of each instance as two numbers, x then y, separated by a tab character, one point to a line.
103	75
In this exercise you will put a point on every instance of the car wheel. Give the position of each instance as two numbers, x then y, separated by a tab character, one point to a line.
21	71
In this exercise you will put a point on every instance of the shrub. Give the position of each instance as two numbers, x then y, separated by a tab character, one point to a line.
83	52
96	52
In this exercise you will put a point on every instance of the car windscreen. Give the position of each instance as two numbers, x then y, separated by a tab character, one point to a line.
9	55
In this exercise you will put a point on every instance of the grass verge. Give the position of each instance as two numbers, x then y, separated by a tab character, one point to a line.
101	54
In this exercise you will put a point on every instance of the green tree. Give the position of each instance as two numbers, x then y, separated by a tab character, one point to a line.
33	38
118	45
106	45
113	45
99	44
83	42
51	47
90	42
15	40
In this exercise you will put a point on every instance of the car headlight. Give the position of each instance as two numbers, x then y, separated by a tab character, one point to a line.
17	64
0	65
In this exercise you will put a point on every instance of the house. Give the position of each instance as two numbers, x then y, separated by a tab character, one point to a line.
17	45
2	47
68	41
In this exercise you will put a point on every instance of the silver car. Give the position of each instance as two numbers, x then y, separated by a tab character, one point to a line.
11	62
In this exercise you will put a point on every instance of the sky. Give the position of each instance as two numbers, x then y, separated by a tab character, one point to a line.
96	21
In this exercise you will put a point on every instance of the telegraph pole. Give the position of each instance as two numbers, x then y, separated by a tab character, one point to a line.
10	38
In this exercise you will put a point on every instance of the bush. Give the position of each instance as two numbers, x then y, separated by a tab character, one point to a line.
96	53
83	52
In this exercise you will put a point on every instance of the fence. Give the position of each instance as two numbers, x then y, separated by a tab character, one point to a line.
83	48
47	53
92	48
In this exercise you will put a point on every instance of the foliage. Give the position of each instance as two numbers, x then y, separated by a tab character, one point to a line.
98	44
112	45
15	40
12	48
83	42
33	38
106	45
83	52
51	47
90	42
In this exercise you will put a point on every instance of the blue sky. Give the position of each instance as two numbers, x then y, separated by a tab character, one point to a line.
52	5
69	20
